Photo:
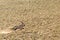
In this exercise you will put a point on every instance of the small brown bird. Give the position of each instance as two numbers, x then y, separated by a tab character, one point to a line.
19	27
9	30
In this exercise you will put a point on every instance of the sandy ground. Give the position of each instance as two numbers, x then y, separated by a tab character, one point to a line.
41	18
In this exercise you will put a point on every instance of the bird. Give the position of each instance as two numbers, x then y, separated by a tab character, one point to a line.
19	27
10	30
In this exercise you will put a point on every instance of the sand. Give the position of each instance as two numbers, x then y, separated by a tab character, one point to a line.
41	19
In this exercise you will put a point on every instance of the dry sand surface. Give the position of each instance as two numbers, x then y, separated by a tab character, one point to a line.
41	19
